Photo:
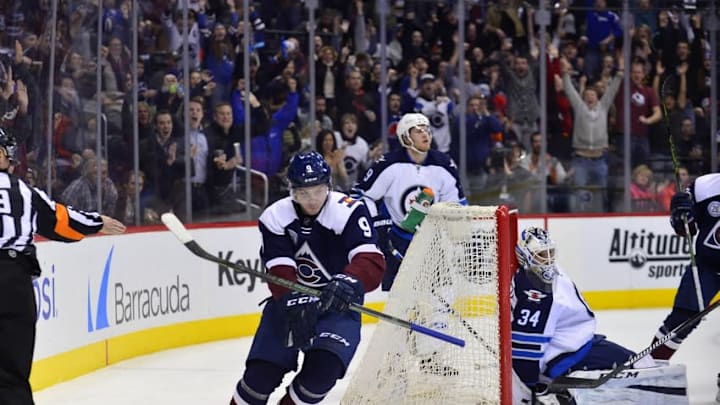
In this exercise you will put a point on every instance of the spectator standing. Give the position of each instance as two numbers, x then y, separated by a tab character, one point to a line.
222	134
433	103
602	28
590	136
520	85
355	100
554	174
484	132
644	112
159	160
199	161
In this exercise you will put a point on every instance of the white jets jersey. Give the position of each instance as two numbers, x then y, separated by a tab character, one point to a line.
316	249
548	326
439	116
356	158
395	180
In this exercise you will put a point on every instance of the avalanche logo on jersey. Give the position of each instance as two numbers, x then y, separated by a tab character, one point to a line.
713	209
309	269
534	295
408	197
712	240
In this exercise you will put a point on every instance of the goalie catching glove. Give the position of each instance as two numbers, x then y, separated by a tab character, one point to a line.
301	314
681	207
340	292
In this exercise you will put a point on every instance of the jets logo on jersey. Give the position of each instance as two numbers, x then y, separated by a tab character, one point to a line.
351	165
309	269
534	295
712	240
408	197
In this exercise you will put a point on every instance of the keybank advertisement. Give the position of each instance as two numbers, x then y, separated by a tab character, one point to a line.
617	253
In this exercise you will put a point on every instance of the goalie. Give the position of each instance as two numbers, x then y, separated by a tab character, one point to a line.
553	334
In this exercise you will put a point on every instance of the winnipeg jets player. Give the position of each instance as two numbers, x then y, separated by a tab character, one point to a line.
322	239
397	178
553	333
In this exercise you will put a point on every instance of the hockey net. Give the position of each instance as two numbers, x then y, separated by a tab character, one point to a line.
455	278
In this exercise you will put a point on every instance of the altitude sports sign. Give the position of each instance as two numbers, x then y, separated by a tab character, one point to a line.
620	253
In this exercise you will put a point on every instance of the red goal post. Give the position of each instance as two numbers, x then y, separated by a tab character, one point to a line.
455	278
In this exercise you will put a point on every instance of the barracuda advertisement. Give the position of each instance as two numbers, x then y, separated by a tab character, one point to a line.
618	253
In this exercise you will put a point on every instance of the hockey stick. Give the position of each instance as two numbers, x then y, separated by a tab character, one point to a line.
676	170
564	382
452	310
178	229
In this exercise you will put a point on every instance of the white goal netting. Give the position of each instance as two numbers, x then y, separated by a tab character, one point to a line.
448	281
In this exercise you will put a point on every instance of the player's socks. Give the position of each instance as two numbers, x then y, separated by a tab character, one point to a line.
717	397
663	352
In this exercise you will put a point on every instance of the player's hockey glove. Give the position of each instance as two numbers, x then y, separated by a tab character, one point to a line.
301	314
340	292
681	206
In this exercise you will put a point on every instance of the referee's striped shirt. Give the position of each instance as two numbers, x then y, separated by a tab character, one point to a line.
26	211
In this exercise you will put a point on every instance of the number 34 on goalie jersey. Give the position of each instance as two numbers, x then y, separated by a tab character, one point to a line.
546	324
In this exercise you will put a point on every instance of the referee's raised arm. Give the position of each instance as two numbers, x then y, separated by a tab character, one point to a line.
24	212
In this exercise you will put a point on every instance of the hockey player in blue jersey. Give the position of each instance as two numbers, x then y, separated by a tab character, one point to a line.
553	329
700	206
394	182
325	240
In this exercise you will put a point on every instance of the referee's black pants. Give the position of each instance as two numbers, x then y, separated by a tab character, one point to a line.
17	332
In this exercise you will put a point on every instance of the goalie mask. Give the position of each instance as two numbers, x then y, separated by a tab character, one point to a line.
408	122
536	252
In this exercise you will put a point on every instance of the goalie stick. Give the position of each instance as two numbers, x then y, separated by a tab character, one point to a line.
178	229
564	382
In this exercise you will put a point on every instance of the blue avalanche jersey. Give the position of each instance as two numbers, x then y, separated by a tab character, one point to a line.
316	247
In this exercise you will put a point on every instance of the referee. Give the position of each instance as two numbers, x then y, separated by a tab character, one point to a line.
25	211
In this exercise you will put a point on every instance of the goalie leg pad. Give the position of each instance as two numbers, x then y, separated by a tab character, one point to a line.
258	382
320	371
665	384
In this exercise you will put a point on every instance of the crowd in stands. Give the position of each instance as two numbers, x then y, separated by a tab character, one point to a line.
583	164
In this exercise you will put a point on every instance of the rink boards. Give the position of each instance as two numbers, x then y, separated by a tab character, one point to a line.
110	298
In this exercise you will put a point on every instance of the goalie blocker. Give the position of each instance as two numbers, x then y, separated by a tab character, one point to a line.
665	384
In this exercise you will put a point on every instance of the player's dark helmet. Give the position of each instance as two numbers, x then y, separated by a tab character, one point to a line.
8	142
308	169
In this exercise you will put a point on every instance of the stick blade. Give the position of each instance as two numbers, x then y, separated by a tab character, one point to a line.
176	227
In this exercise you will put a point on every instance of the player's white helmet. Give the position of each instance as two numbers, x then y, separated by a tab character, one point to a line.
536	252
408	122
